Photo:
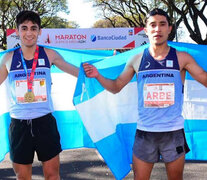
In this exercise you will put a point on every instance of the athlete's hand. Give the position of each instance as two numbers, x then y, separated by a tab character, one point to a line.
90	70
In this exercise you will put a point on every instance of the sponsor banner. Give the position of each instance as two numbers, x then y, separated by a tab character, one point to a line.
92	38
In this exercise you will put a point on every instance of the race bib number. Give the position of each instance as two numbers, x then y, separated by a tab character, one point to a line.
160	95
39	90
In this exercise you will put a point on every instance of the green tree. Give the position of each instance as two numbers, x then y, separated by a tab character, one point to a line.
191	12
57	22
115	21
47	9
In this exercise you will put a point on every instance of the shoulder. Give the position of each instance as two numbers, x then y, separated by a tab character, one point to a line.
182	53
51	54
134	61
7	57
184	56
184	59
135	58
6	60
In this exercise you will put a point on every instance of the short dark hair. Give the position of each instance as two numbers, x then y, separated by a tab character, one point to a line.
28	16
157	11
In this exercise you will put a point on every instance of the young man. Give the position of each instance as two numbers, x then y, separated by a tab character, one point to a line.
160	73
33	128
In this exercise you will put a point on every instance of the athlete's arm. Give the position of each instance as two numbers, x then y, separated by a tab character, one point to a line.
3	73
188	63
3	68
113	86
56	59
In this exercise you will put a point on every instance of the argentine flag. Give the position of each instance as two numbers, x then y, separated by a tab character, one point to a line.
106	121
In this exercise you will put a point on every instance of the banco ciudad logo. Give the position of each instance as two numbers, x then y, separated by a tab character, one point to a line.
93	38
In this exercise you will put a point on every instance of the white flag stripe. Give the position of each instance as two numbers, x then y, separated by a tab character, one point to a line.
116	111
4	105
63	87
195	101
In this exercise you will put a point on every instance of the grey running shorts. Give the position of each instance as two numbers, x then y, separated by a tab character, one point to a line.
151	146
38	135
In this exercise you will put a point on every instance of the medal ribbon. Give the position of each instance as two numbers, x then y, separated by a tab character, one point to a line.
34	64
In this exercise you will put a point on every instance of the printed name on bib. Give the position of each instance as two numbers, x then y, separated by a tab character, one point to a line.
160	95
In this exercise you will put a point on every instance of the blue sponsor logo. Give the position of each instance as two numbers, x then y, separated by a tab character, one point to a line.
93	38
108	38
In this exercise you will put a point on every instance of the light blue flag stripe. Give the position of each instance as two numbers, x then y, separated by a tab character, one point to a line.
4	124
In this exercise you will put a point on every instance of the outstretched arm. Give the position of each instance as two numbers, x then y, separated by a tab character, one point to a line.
113	86
188	63
56	59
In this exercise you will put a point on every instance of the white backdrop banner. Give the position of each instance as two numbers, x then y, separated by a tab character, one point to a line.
89	38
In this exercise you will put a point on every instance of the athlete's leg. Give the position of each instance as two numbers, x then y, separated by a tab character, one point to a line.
175	169
48	146
142	170
22	171
51	168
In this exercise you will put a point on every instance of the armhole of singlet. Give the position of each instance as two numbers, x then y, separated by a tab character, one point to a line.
8	63
135	62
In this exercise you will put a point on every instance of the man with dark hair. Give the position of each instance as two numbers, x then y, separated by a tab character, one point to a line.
160	71
33	128
28	15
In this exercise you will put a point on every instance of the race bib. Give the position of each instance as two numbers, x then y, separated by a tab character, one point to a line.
39	90
160	95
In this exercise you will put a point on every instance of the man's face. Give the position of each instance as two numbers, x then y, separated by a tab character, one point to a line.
157	29
28	33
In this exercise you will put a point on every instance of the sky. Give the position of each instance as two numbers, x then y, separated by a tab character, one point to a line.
81	12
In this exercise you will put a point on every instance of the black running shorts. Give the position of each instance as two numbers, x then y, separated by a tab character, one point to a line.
38	135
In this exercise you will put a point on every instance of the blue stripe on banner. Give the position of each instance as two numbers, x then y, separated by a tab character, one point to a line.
116	145
195	125
4	140
196	133
72	131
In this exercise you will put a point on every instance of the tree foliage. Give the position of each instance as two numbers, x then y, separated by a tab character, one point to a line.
57	22
115	21
193	13
47	9
190	12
